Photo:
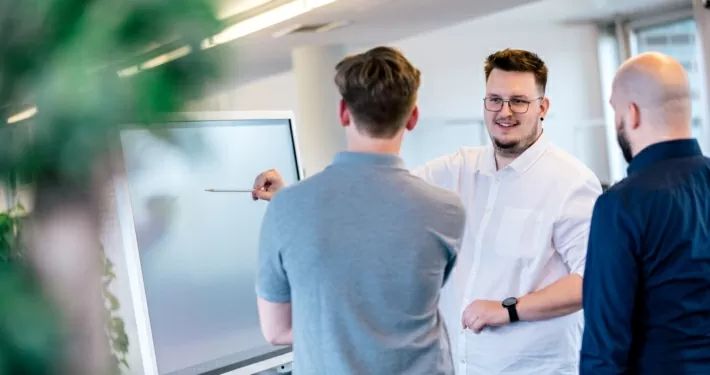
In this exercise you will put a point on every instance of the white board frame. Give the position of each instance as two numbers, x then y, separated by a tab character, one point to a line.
124	212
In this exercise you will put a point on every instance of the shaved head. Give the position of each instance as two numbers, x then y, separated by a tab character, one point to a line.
652	102
658	85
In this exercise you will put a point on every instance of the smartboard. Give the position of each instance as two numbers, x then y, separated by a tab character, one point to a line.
191	253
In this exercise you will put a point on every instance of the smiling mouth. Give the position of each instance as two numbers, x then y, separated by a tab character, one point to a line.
506	124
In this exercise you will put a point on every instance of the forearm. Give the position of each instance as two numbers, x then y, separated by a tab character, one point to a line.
284	338
561	298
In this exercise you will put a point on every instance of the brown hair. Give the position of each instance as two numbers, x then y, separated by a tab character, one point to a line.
379	88
518	60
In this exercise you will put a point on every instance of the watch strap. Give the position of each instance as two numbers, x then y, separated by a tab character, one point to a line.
512	313
510	305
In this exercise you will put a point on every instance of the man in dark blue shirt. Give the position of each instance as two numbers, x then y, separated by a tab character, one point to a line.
646	291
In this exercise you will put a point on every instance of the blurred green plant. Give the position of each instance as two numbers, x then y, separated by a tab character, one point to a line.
18	272
30	338
11	247
115	326
29	323
63	57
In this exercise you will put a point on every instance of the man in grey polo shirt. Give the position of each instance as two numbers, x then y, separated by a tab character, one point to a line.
352	260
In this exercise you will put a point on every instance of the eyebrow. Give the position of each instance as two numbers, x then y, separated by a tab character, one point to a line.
517	96
520	97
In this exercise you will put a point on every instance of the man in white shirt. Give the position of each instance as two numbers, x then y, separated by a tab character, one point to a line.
514	303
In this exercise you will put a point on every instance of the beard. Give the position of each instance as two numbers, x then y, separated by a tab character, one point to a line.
515	147
623	140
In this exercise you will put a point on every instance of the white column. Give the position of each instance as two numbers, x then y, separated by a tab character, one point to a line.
318	129
612	52
702	20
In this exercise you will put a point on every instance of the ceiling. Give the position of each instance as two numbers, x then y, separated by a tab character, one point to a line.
384	21
583	10
371	22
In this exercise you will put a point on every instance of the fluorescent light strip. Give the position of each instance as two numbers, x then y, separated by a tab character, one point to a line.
256	23
129	71
241	7
264	20
166	57
313	4
24	115
239	30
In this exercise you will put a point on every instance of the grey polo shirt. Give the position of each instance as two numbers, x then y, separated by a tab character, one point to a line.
362	250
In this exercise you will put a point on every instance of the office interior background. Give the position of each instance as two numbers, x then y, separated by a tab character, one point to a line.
583	42
284	53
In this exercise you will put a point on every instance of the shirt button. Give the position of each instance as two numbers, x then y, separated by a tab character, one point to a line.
488	210
463	361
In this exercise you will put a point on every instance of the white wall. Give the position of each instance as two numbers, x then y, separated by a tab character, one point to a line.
273	93
451	61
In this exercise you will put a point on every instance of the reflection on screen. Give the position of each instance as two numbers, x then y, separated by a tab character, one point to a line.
198	250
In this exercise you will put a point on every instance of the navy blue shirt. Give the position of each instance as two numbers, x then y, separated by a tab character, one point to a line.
646	294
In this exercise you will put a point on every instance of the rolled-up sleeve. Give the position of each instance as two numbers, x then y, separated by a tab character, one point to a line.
571	231
272	282
609	289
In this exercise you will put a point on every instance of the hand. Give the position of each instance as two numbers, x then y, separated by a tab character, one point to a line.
267	184
481	314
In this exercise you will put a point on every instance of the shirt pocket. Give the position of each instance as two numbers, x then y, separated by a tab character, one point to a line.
519	233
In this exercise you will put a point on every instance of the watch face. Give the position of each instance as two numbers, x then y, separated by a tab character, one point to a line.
510	301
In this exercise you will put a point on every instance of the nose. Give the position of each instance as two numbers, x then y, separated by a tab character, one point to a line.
505	111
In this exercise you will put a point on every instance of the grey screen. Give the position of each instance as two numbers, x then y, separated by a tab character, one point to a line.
198	250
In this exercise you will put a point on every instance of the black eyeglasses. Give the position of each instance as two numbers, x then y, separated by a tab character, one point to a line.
518	106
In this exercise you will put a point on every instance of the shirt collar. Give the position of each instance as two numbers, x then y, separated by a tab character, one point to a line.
679	148
369	159
521	164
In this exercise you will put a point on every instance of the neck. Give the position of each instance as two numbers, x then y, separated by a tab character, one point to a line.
374	147
360	143
672	133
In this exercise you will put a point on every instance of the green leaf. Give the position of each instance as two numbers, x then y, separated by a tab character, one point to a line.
113	302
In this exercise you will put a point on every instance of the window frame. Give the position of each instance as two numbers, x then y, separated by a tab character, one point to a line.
625	29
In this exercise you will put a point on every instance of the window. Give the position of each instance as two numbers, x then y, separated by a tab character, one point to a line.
677	38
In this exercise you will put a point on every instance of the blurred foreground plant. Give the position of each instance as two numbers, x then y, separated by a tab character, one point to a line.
63	57
28	313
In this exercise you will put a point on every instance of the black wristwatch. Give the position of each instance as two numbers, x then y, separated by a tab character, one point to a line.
509	304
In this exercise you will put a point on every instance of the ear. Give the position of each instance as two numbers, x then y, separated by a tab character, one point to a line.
544	106
634	116
413	118
344	114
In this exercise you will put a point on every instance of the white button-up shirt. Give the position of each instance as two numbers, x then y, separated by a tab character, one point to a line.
527	227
